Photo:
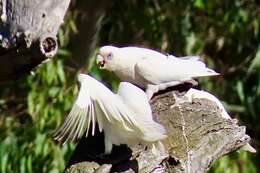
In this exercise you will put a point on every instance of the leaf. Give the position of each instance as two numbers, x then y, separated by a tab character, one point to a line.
63	52
4	163
29	164
243	15
61	37
240	91
200	4
73	26
255	63
30	102
39	144
23	165
53	91
60	72
256	27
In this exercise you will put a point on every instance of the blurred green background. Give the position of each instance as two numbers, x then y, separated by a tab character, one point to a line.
225	33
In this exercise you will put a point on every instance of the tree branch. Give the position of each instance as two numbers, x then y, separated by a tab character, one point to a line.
28	32
197	136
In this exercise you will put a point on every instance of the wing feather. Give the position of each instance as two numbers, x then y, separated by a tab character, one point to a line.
93	118
164	70
95	103
89	115
104	110
82	124
136	99
63	131
99	118
73	132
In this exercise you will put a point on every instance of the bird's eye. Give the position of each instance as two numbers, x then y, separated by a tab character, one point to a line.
110	56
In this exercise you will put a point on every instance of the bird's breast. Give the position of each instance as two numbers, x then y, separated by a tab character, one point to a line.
126	74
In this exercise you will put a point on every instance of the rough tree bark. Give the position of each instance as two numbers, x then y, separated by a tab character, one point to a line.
197	136
28	32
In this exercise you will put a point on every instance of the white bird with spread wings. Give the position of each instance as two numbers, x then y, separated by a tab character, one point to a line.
150	69
125	117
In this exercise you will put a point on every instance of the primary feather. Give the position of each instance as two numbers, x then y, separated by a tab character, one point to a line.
122	120
150	69
157	71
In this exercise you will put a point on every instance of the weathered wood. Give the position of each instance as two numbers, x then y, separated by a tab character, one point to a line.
198	136
28	32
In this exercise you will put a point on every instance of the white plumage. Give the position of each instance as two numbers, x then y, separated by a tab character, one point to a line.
150	69
194	93
125	117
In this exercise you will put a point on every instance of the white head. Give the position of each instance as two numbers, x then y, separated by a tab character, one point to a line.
106	58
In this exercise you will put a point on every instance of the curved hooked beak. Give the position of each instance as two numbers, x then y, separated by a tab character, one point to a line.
100	61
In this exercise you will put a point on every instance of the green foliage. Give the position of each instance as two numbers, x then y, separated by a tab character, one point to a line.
26	137
234	163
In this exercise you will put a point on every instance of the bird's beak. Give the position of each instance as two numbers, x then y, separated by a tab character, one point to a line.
100	61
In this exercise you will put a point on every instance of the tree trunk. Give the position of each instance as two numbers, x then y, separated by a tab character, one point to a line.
197	136
88	22
28	32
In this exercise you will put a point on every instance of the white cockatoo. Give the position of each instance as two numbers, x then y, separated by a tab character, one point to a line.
192	94
125	117
150	69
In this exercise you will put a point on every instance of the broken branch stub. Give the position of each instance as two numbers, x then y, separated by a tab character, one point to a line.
28	32
197	136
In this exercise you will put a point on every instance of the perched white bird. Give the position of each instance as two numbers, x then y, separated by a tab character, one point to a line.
199	94
125	117
150	69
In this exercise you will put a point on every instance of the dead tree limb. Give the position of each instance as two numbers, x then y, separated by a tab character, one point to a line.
198	136
28	32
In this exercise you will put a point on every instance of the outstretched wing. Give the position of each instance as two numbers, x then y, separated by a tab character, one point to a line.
134	98
137	101
95	103
164	70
